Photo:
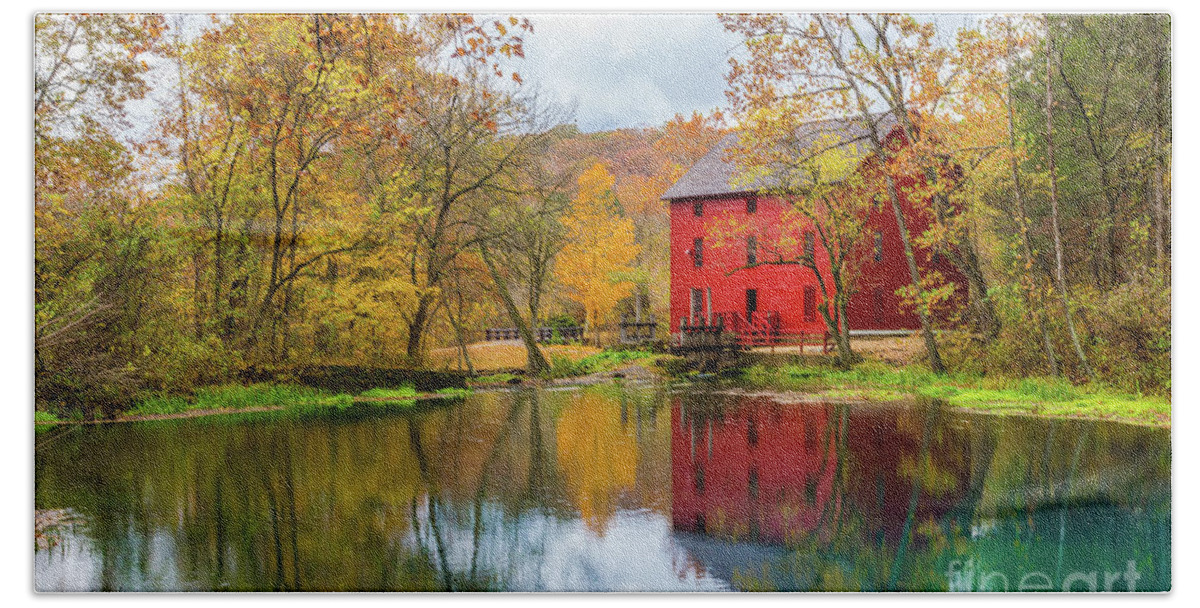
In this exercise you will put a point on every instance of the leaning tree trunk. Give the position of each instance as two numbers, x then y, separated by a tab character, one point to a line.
935	358
535	362
1060	277
460	338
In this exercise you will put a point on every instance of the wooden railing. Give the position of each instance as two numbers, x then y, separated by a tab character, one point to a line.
635	331
801	339
541	334
762	329
700	334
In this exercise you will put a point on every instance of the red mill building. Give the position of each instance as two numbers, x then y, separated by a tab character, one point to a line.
781	300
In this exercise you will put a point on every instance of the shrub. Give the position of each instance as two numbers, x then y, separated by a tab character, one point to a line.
1130	326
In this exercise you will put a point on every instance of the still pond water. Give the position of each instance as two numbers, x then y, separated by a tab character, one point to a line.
606	488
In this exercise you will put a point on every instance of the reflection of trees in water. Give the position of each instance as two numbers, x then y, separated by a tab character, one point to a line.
460	497
882	487
598	458
915	489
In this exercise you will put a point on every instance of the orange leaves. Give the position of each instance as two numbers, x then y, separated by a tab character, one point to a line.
488	45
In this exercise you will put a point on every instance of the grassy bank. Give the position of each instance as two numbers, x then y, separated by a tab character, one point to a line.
563	367
1043	396
236	398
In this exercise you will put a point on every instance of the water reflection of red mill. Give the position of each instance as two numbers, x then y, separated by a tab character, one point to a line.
756	469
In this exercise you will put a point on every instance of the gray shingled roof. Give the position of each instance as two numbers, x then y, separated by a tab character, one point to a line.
713	174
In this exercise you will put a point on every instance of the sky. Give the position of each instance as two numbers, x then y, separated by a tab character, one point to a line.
614	70
621	70
625	70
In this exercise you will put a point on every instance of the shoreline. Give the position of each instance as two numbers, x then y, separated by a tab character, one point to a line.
867	396
815	387
1035	396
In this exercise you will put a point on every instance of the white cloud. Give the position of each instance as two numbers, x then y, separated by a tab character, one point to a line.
628	70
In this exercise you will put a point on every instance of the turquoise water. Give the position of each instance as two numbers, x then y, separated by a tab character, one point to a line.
603	489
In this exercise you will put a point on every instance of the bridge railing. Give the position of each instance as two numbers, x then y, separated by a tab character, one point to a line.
634	331
732	329
541	334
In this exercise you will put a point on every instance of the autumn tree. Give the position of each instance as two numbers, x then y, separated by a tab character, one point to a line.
990	58
256	129
469	141
595	264
875	70
520	237
828	195
92	274
641	178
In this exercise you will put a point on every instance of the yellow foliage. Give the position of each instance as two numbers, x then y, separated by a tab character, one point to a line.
597	457
597	260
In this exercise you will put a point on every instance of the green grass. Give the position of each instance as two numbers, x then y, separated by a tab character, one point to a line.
45	417
564	367
239	397
401	393
453	393
401	397
1044	396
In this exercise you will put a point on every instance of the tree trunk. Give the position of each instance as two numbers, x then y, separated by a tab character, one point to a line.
416	328
836	321
1060	277
1023	219
1159	208
535	362
1113	253
844	328
935	357
461	339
